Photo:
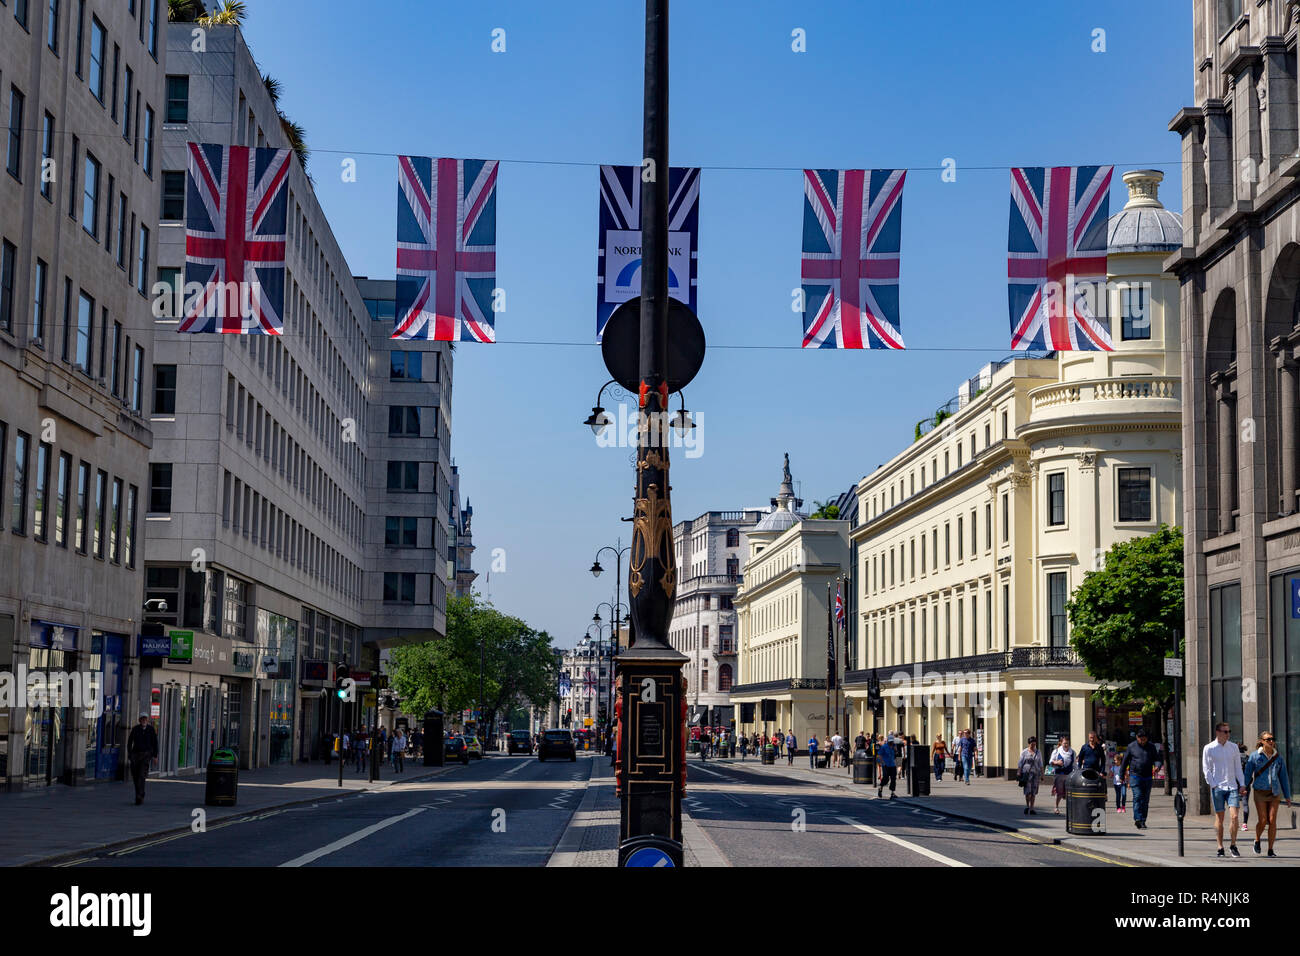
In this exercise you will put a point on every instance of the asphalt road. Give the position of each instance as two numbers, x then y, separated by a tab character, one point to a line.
760	818
498	811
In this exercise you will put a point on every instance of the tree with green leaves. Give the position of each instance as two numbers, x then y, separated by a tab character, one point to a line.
1123	618
824	509
518	664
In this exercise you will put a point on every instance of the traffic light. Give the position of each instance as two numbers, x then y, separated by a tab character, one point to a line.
342	681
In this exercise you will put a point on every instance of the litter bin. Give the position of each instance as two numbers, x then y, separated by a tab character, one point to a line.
223	779
918	765
1085	802
823	760
864	767
769	754
433	745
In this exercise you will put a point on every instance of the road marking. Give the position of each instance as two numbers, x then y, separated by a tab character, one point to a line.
907	844
350	839
712	773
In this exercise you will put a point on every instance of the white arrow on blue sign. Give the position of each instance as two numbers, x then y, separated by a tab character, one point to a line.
649	856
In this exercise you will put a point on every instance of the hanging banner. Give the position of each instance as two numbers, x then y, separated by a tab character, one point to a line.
618	256
852	238
236	213
1056	257
446	249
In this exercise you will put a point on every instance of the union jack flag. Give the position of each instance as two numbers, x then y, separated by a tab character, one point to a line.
839	607
1056	256
446	249
850	289
589	682
236	209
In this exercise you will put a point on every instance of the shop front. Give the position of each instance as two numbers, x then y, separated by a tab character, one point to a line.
106	731
47	727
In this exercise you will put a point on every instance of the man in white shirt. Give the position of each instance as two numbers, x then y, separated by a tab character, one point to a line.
837	749
1221	767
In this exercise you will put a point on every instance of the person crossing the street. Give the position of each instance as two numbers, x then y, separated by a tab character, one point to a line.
888	769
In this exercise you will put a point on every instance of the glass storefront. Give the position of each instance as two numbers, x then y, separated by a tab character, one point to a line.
53	651
1284	661
1225	659
6	664
1053	723
104	732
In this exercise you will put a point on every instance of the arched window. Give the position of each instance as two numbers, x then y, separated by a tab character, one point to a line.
733	538
724	678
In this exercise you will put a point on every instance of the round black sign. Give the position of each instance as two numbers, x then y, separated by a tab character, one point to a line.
621	345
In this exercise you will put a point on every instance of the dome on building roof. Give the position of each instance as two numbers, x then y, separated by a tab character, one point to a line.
1144	224
778	519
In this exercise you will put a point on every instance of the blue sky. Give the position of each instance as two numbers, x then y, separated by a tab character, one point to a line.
880	85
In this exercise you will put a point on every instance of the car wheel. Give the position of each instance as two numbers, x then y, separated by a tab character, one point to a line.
465	761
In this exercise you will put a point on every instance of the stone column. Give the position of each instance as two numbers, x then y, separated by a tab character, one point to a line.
1227	453
1288	398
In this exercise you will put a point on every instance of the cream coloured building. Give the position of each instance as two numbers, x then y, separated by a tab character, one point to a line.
971	540
781	607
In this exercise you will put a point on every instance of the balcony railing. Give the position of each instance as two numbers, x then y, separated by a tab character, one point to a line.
709	581
798	683
1014	659
1069	394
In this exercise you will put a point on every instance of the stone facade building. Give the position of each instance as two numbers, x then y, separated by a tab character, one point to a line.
973	538
78	242
1239	269
710	550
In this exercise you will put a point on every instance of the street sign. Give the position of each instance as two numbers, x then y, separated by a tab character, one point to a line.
371	699
649	856
1173	667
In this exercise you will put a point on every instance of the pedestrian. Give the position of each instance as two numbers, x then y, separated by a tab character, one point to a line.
345	751
1140	761
141	751
779	739
1030	769
966	750
1092	755
1221	767
399	750
1062	760
1117	781
837	750
940	757
1268	777
888	770
791	748
812	752
860	742
744	747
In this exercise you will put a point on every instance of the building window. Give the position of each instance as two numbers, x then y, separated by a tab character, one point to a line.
1134	494
83	488
38	303
164	389
1225	656
126	103
128	529
178	99
40	512
1006	517
142	262
81	32
18	517
90	197
1135	312
724	678
1006	616
173	196
988	526
403	420
399	588
85	331
405	366
121	230
137	378
115	375
96	79
236	608
115	522
47	157
400	532
153	28
97	532
61	501
403	476
947	544
8	263
160	487
1057	594
1056	498
13	161
1285	670
146	162
959	539
52	27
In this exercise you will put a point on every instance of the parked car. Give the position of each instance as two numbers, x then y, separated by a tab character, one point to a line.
519	742
454	748
556	743
474	747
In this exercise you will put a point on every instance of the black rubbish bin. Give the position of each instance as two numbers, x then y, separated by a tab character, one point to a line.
918	765
1085	803
769	754
223	779
864	768
433	745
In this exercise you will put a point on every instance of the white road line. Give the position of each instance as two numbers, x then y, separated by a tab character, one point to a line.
712	773
350	839
937	857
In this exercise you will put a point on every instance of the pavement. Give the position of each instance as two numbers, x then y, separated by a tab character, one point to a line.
53	824
999	803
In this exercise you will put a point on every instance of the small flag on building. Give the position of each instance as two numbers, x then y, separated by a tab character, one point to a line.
852	235
236	209
1056	257
618	262
839	607
446	249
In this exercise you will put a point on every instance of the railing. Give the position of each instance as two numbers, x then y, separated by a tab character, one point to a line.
1106	390
710	580
798	683
1017	657
1043	657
